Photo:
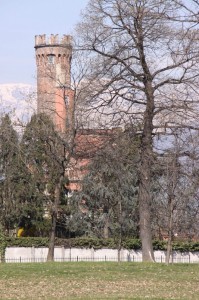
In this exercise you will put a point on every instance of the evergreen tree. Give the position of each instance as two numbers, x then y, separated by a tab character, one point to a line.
109	190
40	154
43	152
9	174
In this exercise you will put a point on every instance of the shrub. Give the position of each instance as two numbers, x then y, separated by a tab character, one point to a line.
91	242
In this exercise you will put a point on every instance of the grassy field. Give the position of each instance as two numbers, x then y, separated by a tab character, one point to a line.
99	281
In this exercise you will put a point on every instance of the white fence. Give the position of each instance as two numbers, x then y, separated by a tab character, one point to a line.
32	254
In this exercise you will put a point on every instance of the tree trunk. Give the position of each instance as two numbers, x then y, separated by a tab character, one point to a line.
169	246
145	174
120	230
145	218
173	179
171	189
51	247
106	227
169	243
170	229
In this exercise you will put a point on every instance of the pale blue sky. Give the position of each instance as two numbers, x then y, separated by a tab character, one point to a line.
20	21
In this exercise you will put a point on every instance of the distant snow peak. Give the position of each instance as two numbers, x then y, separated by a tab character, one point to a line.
19	100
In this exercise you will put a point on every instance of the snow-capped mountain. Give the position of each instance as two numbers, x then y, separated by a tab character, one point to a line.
19	100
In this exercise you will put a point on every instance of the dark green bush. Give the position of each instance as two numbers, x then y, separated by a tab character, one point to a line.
27	242
131	243
159	245
88	242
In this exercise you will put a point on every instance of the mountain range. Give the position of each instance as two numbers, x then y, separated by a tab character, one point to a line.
19	100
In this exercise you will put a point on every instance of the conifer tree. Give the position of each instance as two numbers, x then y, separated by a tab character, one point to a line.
110	189
9	179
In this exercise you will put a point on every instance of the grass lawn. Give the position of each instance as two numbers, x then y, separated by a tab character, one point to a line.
84	280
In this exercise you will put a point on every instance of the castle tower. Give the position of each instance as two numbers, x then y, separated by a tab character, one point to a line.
54	94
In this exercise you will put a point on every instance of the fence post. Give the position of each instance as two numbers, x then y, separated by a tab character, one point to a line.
77	258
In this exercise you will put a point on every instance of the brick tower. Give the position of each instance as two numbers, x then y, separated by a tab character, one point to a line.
54	94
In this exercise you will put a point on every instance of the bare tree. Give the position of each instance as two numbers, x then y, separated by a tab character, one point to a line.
175	203
144	62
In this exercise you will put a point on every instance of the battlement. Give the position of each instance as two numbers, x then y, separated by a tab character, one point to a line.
53	39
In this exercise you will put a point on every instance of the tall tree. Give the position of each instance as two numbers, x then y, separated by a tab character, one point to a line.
175	201
143	66
44	155
9	167
109	190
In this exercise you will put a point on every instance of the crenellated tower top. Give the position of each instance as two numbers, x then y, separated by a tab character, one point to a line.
53	40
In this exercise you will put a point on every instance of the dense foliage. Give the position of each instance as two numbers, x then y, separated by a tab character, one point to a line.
109	198
85	242
17	195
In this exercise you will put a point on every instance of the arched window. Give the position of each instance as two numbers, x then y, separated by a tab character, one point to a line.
51	58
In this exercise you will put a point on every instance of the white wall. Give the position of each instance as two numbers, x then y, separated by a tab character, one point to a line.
31	254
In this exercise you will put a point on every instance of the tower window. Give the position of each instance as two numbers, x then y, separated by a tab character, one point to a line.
66	100
51	59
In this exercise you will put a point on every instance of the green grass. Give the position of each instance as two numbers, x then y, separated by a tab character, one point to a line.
99	281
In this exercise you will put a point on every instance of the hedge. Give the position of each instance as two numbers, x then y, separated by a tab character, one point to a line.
85	242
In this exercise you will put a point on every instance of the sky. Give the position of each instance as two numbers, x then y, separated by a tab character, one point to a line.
20	21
